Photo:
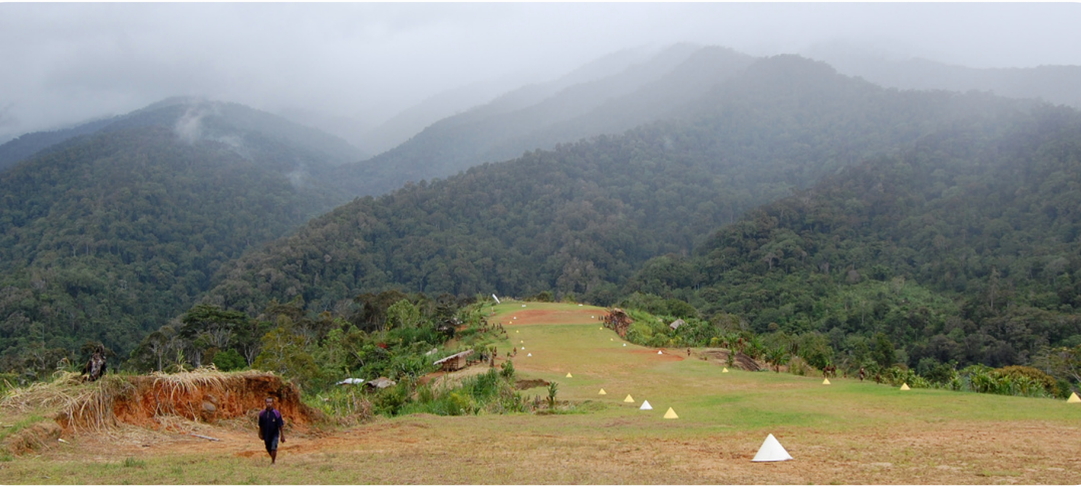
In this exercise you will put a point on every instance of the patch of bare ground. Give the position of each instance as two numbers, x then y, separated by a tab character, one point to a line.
720	357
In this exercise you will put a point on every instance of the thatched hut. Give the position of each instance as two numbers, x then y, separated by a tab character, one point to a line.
453	362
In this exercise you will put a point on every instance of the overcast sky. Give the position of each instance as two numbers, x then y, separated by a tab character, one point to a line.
65	63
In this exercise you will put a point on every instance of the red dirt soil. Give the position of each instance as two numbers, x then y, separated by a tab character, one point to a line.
236	395
551	317
664	357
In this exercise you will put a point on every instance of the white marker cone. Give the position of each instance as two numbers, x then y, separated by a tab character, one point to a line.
628	399
529	355
1073	398
771	451
904	387
569	375
646	406
825	382
602	393
659	352
671	414
624	344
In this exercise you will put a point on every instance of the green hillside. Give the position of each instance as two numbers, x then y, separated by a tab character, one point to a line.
962	248
107	236
583	217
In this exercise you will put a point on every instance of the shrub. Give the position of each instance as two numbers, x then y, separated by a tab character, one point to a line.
1029	380
798	366
553	388
229	361
508	371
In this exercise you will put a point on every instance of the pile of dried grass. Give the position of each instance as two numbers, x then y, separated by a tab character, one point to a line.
204	394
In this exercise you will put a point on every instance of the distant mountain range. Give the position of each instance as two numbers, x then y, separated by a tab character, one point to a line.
1053	84
607	181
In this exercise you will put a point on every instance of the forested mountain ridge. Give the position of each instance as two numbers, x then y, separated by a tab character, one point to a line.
581	218
22	147
229	122
1053	84
963	248
531	118
107	236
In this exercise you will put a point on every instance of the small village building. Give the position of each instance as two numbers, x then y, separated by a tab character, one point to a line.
676	324
454	362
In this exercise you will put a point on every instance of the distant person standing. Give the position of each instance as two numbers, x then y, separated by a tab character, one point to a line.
271	429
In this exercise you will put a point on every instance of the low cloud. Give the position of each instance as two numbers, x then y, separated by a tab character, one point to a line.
368	62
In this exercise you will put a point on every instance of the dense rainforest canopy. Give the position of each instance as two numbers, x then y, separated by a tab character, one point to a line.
768	197
107	236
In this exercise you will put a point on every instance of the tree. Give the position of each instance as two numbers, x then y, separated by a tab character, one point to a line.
883	352
283	352
777	357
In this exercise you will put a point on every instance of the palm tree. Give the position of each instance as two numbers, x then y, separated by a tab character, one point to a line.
777	357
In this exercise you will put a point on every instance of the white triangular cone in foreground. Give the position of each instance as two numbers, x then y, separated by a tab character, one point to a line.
1073	397
904	387
624	344
646	406
602	393
529	355
629	398
725	370
569	375
659	352
825	382
771	451
671	414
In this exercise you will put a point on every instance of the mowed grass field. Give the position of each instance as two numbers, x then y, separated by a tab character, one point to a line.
845	433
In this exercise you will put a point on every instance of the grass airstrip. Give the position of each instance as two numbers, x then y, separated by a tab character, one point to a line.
849	432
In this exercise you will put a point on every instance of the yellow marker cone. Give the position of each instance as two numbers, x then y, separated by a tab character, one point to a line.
904	387
516	331
602	393
521	341
725	370
1073	398
628	399
671	414
825	382
611	339
569	375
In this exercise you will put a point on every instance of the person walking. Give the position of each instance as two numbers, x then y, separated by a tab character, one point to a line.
271	429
